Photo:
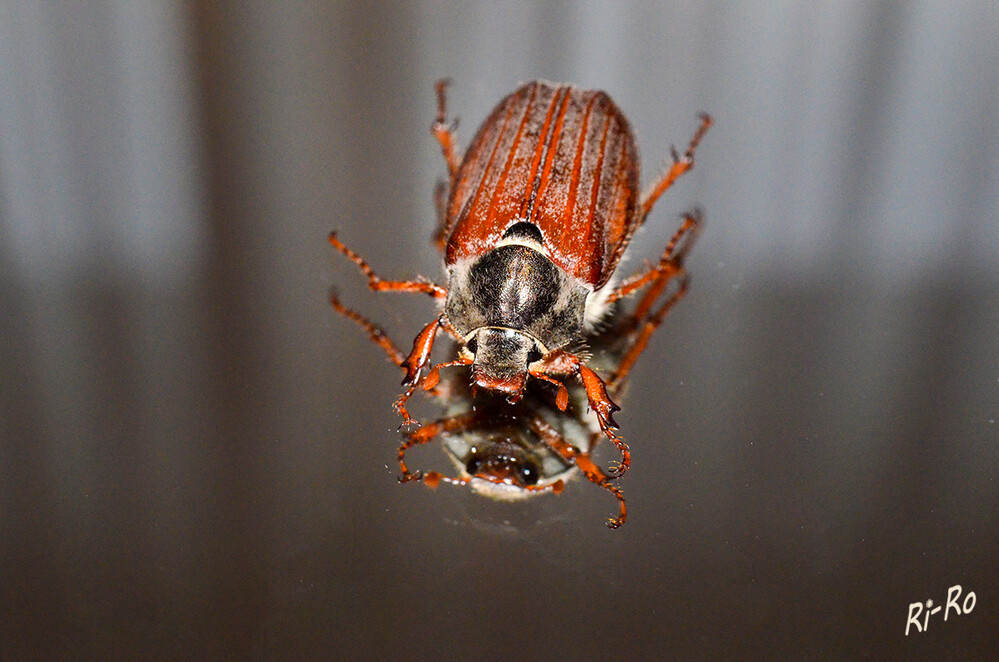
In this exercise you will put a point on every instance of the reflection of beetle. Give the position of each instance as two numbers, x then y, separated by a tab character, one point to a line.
537	216
509	451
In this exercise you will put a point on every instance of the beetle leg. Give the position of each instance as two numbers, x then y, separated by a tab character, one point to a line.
420	355
375	332
434	376
669	265
643	320
414	364
444	131
440	204
596	393
600	402
598	477
679	166
416	438
641	339
561	362
400	408
379	285
425	434
561	395
593	473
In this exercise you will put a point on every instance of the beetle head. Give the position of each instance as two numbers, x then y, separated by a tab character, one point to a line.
502	357
504	462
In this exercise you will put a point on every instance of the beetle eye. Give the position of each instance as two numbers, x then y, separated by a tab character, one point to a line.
473	345
473	466
533	355
528	475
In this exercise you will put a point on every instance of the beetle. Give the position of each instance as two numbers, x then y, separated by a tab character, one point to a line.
510	451
533	222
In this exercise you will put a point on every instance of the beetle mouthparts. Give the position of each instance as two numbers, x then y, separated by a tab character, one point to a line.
511	385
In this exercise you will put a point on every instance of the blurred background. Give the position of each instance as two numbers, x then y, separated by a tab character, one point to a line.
197	453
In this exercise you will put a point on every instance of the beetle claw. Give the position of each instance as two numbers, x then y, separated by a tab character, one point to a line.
410	424
409	477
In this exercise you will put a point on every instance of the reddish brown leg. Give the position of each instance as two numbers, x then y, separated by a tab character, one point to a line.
434	376
417	360
400	408
646	322
670	263
375	332
379	337
582	460
423	344
422	436
600	402
444	131
417	438
642	337
414	365
379	285
561	395
440	203
676	170
564	363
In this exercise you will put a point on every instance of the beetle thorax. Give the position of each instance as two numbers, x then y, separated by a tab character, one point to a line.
513	305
